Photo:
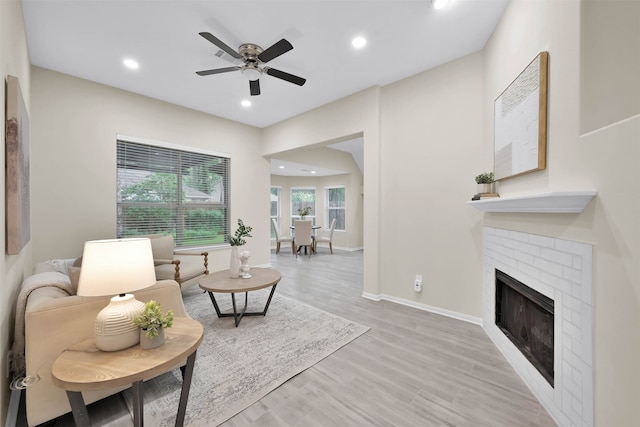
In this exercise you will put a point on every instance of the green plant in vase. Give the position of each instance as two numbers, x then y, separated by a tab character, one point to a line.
304	211
485	178
238	239
152	319
243	231
485	183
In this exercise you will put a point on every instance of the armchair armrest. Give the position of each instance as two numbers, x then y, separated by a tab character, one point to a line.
158	261
177	262
202	254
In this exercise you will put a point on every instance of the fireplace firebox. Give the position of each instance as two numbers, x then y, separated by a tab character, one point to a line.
525	316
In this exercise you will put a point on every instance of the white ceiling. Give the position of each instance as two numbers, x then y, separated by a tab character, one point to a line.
91	38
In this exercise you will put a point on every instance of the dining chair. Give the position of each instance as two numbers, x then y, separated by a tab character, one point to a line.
279	238
303	236
325	238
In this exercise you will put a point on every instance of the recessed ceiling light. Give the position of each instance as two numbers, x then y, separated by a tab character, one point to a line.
281	167
439	4
246	103
358	42
313	171
131	63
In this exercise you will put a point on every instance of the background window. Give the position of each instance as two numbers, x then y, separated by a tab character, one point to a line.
275	208
302	198
335	207
164	190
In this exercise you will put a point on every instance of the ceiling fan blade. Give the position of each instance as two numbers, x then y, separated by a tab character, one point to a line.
285	76
217	71
275	50
254	87
216	41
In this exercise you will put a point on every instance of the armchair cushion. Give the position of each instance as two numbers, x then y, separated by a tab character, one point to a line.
162	248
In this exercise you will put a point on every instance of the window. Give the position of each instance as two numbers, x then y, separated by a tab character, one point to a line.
335	207
302	198
275	208
166	190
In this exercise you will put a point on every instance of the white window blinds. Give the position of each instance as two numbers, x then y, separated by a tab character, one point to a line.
170	191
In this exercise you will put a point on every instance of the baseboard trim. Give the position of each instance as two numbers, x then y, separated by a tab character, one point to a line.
424	307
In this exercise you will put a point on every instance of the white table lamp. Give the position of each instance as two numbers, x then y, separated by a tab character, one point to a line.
115	267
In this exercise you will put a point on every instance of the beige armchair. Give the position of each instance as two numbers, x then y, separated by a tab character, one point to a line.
186	268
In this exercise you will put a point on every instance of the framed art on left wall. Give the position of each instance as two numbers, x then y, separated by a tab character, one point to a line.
18	216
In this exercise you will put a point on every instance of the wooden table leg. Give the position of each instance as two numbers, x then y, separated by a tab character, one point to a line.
79	409
186	386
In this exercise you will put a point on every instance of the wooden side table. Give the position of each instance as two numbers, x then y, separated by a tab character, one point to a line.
221	281
85	368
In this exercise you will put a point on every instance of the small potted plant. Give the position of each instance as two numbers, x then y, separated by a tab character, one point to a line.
152	324
238	239
304	211
485	182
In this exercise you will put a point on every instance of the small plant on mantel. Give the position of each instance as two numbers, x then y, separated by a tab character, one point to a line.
243	231
485	184
152	319
485	178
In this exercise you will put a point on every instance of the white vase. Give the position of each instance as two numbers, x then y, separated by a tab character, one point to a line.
147	343
485	188
234	264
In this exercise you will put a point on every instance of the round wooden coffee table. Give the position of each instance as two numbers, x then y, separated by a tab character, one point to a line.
222	282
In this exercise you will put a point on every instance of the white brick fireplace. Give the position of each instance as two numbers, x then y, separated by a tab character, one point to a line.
561	270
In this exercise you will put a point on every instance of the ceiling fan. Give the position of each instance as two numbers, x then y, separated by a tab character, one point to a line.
253	58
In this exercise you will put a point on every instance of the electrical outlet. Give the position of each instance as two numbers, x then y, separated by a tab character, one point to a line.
417	285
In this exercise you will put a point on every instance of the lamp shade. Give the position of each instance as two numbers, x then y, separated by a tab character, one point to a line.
117	266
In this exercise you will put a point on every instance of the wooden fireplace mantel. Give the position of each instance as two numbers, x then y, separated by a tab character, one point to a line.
551	202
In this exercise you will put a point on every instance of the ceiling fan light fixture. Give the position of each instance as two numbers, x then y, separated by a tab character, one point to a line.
251	72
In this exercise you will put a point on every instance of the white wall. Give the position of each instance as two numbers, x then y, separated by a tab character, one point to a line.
431	152
14	60
74	162
605	159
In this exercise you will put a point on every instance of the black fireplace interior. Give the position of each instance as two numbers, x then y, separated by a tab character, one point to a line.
526	318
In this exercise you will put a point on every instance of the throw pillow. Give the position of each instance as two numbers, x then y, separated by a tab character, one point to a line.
74	276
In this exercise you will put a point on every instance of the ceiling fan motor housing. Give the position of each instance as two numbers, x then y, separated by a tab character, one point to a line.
251	68
250	51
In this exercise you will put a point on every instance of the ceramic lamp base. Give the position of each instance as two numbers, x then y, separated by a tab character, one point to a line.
114	326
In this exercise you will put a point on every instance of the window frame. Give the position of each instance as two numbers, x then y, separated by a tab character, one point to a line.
180	205
278	215
296	216
329	208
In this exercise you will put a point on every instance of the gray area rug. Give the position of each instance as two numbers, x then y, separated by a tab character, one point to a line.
236	367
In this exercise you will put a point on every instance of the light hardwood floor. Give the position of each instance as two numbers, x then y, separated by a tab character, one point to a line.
412	368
